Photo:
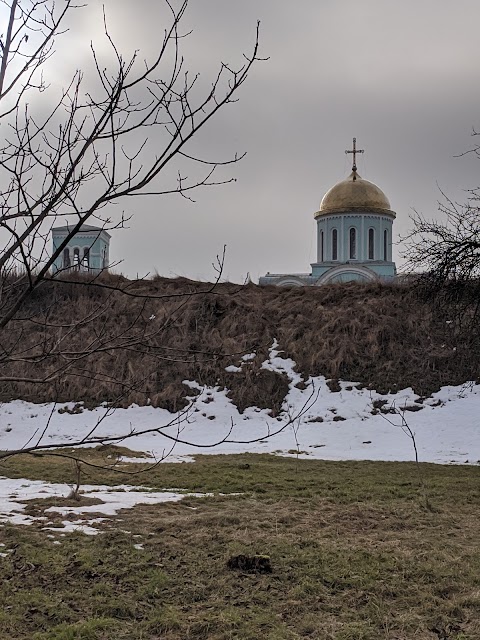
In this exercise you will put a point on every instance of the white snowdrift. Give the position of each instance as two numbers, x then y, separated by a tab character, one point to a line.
446	427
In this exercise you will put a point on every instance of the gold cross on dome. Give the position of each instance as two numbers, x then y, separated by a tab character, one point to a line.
355	151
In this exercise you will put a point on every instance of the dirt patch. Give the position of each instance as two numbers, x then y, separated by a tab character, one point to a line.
250	564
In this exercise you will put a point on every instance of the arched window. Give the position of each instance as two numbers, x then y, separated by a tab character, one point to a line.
334	244
371	244
385	245
353	243
321	247
104	258
76	258
66	258
86	258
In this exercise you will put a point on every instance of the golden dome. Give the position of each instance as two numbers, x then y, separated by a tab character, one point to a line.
354	194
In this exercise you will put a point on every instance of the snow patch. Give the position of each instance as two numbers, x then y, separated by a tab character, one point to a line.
14	493
318	422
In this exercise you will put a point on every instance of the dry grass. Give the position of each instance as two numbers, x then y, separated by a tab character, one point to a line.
384	336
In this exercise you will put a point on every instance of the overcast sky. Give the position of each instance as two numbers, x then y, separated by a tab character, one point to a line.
403	77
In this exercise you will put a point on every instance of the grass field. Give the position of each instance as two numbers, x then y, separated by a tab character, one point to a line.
354	552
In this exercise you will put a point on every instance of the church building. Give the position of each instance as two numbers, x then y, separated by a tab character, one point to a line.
354	235
88	250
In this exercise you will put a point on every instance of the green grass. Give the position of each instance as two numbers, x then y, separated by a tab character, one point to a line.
355	556
262	475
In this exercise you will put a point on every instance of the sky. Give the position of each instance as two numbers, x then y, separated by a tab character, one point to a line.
402	77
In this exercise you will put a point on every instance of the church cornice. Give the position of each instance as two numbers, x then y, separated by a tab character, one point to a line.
348	212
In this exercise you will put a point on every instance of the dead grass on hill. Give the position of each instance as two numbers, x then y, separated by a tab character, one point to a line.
384	336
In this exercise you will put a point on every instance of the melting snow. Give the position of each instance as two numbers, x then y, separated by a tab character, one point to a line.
14	493
324	424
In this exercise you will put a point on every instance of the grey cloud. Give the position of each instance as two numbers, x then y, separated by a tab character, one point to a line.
402	77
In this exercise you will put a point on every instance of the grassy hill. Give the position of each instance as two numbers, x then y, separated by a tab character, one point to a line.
140	344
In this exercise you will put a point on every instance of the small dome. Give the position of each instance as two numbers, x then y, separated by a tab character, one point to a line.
354	194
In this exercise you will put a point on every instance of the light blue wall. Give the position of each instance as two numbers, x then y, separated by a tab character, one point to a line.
287	280
96	241
361	268
362	222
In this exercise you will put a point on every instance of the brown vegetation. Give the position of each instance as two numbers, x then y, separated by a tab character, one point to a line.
384	336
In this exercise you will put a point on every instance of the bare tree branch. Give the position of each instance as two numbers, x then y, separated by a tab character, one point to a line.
68	159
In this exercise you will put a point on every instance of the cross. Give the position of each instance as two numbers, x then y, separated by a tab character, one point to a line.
355	151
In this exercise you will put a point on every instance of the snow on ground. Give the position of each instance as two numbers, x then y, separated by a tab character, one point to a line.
14	494
315	423
324	424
